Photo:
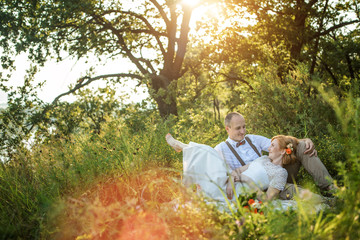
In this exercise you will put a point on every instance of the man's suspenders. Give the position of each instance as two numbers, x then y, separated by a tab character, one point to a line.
252	145
237	155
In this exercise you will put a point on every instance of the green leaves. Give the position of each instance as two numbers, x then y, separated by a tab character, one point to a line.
19	117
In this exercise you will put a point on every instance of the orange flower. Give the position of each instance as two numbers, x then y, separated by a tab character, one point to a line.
288	151
251	201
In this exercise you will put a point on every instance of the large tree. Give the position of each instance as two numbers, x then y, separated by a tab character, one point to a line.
289	32
152	34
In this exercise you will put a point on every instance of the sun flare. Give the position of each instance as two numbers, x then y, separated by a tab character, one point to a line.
191	3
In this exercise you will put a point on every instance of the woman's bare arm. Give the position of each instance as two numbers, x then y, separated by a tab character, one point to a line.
272	193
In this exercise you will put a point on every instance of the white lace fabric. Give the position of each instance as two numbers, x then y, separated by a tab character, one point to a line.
277	175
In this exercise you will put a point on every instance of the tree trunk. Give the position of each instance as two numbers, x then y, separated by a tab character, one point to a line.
298	35
166	108
165	95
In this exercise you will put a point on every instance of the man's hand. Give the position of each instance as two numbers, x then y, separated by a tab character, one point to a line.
238	171
229	188
235	175
310	147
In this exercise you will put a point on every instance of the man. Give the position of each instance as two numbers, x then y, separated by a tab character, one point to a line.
250	149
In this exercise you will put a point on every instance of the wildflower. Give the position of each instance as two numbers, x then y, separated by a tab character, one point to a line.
254	206
289	149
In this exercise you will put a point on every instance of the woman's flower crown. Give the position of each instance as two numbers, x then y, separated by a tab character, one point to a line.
289	148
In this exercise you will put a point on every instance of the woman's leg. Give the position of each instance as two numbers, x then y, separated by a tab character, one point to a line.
175	144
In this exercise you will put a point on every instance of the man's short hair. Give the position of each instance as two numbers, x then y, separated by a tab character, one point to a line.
230	116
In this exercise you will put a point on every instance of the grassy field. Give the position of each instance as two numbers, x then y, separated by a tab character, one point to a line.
125	183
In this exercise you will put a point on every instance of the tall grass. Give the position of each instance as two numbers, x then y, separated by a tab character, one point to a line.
33	181
125	183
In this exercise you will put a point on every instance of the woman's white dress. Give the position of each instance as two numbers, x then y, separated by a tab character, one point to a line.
203	167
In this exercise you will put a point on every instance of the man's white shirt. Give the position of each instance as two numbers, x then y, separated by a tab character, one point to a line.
245	151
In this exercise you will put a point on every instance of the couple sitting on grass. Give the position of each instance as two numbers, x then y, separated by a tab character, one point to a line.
237	164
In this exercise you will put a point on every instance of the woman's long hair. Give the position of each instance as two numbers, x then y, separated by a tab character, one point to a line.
286	142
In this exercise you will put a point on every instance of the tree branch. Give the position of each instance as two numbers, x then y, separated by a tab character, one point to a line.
327	68
154	33
162	13
148	63
87	80
121	41
317	40
233	78
343	24
150	28
312	2
79	85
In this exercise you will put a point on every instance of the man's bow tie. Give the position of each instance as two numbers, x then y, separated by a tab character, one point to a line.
240	143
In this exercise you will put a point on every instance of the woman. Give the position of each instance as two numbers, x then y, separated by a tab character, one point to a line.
204	167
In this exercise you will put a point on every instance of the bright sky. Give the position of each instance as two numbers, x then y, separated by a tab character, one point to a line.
60	75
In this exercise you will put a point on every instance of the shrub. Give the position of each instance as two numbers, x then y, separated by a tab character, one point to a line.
290	108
